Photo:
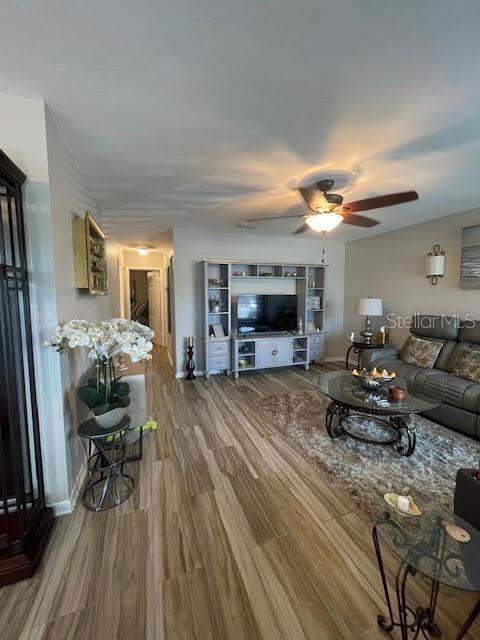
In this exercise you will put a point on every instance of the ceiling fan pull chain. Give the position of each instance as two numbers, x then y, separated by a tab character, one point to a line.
324	235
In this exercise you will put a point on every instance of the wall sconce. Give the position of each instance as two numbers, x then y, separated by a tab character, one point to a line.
435	264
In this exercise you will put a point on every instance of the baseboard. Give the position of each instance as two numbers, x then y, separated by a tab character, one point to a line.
63	507
334	359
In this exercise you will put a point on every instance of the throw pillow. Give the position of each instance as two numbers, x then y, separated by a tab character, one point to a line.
420	352
468	366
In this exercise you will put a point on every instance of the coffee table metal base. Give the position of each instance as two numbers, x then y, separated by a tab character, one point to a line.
400	433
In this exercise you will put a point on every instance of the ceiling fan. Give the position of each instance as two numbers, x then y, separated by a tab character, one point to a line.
329	211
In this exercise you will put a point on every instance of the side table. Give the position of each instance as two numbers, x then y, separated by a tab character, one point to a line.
424	545
358	347
108	482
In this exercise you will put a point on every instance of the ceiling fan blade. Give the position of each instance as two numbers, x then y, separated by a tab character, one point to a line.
378	202
314	199
301	215
301	229
360	221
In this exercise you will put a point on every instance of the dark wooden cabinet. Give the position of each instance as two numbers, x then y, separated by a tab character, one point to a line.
25	521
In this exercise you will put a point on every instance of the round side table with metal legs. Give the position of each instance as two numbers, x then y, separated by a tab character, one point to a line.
109	482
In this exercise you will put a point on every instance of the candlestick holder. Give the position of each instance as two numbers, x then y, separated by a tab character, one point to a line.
190	363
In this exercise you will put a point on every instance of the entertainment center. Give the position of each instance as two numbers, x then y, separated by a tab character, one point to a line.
269	296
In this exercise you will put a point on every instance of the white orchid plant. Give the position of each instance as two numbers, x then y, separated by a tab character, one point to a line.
105	341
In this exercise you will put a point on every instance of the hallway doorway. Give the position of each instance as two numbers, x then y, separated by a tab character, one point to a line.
144	295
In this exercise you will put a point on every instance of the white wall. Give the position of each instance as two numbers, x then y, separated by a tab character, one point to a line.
52	193
23	139
114	260
23	136
391	266
69	197
195	243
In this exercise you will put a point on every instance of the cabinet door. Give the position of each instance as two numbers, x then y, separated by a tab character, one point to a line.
265	353
284	349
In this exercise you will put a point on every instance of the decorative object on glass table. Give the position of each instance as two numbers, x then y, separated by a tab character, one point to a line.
403	504
396	394
373	379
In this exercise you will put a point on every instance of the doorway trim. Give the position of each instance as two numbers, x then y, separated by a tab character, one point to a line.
127	292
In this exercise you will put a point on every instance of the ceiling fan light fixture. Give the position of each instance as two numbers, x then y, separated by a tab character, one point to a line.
325	221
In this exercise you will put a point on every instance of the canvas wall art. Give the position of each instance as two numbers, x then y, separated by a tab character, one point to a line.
470	258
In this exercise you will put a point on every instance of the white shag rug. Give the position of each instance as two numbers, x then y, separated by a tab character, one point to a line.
368	471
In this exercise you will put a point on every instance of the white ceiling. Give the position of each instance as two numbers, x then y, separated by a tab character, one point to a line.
207	111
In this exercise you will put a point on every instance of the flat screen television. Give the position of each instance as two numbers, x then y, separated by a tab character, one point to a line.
266	313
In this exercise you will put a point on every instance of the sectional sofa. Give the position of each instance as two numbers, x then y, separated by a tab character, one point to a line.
459	398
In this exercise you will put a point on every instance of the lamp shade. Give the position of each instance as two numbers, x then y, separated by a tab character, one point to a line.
435	265
369	307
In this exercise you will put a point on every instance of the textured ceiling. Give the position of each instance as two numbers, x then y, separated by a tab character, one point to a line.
208	112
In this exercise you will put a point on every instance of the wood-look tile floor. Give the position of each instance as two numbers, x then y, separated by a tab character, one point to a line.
230	534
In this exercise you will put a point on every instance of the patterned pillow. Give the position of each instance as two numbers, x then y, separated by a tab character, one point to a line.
468	365
420	352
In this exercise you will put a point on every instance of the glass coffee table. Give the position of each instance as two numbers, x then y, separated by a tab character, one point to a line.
424	544
369	416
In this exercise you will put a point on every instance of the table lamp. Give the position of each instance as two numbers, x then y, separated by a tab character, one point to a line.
369	307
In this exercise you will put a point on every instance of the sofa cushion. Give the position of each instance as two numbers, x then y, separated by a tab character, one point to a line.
468	365
408	371
444	355
460	349
453	391
421	352
438	327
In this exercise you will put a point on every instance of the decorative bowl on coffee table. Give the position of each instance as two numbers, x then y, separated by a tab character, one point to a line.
373	379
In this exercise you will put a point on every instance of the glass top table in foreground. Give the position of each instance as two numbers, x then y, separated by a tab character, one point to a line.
425	544
370	416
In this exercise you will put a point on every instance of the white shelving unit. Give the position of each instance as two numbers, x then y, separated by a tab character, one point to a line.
231	353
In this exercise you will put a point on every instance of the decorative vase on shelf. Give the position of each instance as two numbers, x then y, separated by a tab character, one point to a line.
215	305
300	327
